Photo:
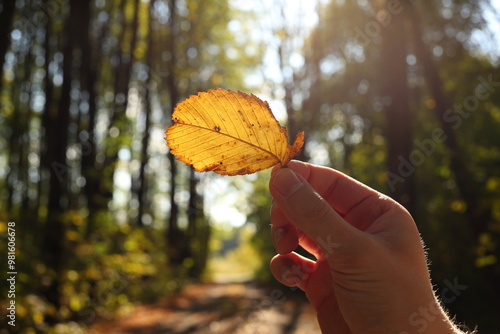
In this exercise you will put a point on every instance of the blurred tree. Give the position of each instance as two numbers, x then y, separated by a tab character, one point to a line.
6	17
175	241
394	87
91	62
56	145
290	29
140	181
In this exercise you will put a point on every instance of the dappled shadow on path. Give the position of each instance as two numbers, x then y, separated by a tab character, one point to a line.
241	308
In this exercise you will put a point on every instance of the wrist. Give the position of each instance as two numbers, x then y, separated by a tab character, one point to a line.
429	319
438	321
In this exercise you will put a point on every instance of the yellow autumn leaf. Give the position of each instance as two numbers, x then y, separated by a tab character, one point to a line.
230	133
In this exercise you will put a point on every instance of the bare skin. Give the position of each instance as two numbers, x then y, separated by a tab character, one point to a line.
371	273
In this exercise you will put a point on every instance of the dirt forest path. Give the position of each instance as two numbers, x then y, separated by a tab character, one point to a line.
241	308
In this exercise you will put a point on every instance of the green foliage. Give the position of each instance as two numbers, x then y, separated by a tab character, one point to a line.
100	279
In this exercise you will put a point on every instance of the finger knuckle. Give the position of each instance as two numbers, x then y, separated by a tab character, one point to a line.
314	208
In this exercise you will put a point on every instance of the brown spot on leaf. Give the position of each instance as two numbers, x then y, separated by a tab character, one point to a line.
208	168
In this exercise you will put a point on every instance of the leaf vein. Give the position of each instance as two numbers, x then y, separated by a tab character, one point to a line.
235	138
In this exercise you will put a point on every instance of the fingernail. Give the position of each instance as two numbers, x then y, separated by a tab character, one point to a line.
286	182
278	234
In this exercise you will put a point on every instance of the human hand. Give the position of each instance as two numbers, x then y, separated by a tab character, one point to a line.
371	273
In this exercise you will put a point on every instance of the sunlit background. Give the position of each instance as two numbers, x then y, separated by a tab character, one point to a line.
109	226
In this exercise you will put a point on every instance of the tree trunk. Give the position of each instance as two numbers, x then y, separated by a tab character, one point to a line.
398	117
174	242
56	144
24	146
141	180
121	90
6	17
290	84
198	231
45	119
89	77
192	204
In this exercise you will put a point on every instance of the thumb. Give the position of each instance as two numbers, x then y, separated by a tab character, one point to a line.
309	212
